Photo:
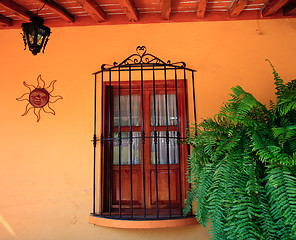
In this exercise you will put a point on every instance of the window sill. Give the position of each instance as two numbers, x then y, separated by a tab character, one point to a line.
141	224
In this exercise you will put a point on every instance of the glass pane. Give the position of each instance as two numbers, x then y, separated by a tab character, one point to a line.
125	148
161	148
125	110
160	109
31	37
40	35
39	39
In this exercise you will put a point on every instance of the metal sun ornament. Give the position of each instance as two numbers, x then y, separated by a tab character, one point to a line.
39	97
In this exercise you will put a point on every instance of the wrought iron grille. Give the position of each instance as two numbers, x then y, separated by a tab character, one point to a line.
127	185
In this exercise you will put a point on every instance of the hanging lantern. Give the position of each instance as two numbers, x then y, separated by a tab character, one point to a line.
35	34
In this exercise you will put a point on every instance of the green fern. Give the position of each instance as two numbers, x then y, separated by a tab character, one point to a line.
242	167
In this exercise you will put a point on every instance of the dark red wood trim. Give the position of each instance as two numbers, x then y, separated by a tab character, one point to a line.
166	8
272	7
149	168
94	10
129	9
58	9
201	8
16	9
6	21
290	8
156	18
148	85
237	7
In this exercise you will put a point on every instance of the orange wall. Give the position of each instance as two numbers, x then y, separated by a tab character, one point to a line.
46	167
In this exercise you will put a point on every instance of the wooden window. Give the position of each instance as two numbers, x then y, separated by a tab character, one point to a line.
144	161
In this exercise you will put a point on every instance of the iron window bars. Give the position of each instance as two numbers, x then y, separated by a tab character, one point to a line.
136	67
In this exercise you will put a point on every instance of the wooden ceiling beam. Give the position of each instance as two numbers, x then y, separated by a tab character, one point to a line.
58	9
5	20
237	7
129	9
290	8
201	8
272	7
166	8
16	9
94	10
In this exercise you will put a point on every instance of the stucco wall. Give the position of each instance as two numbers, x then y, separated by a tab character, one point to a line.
46	167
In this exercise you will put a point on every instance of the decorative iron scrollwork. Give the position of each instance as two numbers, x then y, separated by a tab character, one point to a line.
142	57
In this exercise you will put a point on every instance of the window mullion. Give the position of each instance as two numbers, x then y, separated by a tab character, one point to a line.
120	141
167	139
131	139
155	142
147	168
143	140
110	147
178	140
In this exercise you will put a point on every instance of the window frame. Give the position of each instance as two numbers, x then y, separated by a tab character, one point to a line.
134	87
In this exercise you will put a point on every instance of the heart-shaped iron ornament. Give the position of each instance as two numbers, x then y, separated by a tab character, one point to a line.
141	57
141	50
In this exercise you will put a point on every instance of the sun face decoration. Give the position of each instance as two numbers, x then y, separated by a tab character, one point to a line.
39	98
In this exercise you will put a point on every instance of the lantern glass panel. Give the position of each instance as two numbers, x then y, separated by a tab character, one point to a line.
32	37
39	39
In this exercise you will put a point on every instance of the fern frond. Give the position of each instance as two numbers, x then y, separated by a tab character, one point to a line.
268	227
204	184
277	80
281	188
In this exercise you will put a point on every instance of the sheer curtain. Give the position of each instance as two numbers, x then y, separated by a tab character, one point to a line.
160	109
125	110
161	148
125	121
160	120
125	148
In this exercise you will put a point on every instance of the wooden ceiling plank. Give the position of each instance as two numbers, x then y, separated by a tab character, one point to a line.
129	9
272	7
166	8
290	8
237	7
6	21
58	9
201	8
94	10
16	9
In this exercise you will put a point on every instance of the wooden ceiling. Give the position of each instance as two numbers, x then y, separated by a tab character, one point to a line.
95	12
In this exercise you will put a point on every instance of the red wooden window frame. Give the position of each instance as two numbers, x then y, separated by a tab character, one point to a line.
150	169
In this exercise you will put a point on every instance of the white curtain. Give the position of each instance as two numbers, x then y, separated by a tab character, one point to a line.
160	109
160	120
161	148
125	148
125	110
160	117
